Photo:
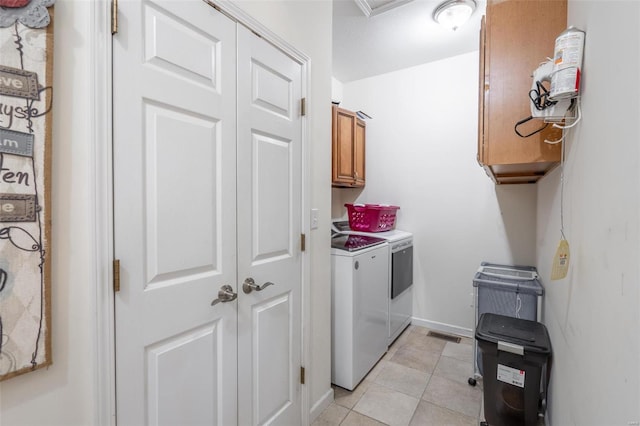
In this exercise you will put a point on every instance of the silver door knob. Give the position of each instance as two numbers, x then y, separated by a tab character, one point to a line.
249	285
226	294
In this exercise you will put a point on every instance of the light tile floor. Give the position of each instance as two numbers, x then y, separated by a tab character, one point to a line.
422	380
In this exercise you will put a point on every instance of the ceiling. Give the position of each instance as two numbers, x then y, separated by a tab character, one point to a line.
397	34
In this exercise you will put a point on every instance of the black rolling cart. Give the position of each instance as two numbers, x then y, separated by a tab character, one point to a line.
516	363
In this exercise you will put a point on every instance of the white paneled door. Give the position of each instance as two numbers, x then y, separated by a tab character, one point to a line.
207	200
269	227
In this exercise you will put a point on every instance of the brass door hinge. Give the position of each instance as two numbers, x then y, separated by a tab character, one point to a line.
219	9
303	242
116	275
303	107
301	375
114	17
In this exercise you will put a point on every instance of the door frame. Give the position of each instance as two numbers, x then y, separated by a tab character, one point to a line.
104	387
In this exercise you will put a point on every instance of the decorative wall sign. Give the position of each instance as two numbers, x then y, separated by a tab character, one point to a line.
19	83
18	143
26	95
18	208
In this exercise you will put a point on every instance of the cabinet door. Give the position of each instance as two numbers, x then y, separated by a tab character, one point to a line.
343	146
359	153
510	25
483	86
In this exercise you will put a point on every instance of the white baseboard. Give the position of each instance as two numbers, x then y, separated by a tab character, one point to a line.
445	328
320	405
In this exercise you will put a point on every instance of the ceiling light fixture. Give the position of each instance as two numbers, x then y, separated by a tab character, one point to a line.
453	13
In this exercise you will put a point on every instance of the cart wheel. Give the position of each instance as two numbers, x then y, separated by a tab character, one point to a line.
543	406
471	381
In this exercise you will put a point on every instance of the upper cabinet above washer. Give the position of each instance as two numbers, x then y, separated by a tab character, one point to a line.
516	36
348	147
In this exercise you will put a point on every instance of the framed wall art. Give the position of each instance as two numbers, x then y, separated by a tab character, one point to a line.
26	98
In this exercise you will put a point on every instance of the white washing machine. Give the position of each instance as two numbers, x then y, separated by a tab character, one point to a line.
400	281
359	308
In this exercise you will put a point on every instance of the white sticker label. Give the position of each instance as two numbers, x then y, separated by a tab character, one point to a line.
511	375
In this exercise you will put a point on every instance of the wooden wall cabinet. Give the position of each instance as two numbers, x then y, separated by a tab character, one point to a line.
348	149
515	37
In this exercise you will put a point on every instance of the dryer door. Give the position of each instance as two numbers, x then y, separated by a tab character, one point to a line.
402	271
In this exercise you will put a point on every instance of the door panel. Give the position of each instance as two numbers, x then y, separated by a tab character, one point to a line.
271	90
272	371
272	233
175	213
269	226
170	372
165	38
180	148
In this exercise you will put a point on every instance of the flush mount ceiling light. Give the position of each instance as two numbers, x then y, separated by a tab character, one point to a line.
453	13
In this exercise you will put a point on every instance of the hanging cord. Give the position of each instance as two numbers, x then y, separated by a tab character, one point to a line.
518	305
540	100
524	120
540	97
562	188
562	153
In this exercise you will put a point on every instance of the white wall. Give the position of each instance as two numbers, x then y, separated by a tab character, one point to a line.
421	155
65	393
592	315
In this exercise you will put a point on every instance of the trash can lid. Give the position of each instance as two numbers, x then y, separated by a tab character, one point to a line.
531	335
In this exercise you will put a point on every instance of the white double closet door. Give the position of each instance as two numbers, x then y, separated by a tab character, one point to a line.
207	193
